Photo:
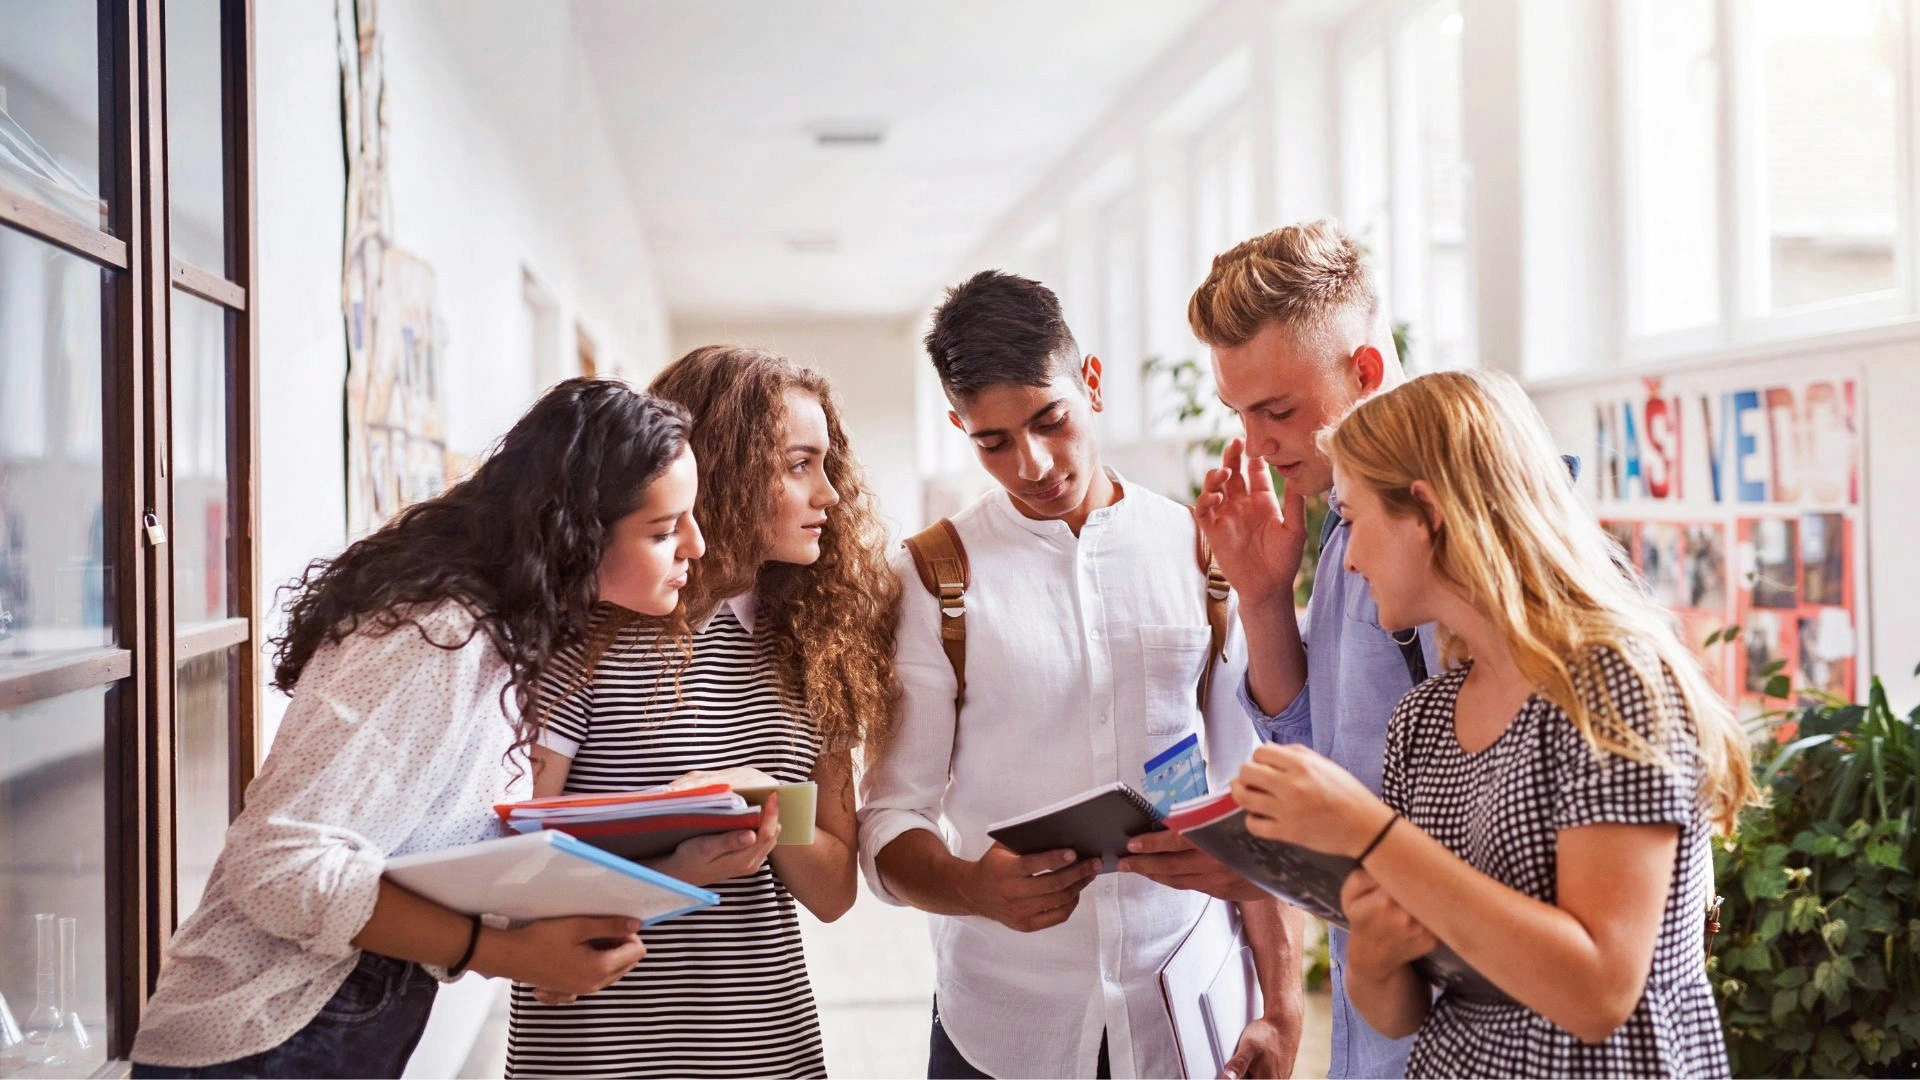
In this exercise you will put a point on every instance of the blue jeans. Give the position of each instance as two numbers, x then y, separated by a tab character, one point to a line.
945	1062
368	1028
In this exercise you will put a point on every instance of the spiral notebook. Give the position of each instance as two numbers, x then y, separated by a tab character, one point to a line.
1096	824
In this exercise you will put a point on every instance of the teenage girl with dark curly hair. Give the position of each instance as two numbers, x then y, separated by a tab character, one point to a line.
789	675
414	660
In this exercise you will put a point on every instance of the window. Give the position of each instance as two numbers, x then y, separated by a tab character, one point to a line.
1434	285
127	643
1219	211
1365	195
1403	177
1822	140
1672	108
1763	168
1223	179
1122	327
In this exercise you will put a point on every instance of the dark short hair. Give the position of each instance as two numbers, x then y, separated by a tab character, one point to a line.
997	328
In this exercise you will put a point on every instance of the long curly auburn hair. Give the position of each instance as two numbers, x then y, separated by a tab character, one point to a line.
518	543
828	626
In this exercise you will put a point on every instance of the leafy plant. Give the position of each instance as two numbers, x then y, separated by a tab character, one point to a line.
1817	962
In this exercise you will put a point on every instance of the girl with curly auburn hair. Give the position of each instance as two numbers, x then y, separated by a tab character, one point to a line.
829	619
415	660
790	673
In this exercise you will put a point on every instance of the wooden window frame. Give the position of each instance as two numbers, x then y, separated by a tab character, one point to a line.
136	356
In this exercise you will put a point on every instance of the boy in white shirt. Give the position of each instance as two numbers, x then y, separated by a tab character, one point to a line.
1085	644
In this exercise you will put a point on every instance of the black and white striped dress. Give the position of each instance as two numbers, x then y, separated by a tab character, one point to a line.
1501	809
722	992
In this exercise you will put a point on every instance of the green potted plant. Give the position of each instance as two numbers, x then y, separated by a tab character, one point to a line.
1817	960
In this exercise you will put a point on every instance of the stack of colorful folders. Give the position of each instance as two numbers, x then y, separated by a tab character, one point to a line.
636	824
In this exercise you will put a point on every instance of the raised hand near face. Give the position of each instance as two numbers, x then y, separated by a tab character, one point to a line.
1257	542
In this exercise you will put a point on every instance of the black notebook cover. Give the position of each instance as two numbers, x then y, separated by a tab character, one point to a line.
650	843
1311	880
1096	824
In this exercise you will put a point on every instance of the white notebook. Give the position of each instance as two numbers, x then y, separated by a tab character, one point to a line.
541	875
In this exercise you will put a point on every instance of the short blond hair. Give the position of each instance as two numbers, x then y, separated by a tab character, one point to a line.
1307	277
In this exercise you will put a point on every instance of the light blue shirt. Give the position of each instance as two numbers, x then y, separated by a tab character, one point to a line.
1356	674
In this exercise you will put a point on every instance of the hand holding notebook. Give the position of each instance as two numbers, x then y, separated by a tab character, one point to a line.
654	822
1309	880
796	800
1094	824
723	856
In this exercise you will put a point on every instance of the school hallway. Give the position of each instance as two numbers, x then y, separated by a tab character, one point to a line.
274	272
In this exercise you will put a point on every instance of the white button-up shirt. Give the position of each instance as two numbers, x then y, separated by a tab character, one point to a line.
392	745
1084	655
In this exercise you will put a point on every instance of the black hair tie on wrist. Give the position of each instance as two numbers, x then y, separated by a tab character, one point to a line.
1379	836
459	967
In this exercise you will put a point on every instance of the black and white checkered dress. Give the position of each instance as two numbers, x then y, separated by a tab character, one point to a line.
1501	810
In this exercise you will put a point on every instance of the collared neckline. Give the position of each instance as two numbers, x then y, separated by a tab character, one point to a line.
1054	527
744	608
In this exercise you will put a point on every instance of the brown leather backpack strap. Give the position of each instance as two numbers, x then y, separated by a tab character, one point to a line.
941	560
1217	593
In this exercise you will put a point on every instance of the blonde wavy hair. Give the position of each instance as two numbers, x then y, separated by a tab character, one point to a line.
1310	277
828	626
1515	541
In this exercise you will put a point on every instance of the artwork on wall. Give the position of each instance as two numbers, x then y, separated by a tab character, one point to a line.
395	435
1740	505
1685	566
1799	602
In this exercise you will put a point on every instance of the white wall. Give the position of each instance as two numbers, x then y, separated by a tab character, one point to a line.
303	358
873	364
494	174
490	177
487	180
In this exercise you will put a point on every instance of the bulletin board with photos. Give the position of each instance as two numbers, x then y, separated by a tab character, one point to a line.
1740	504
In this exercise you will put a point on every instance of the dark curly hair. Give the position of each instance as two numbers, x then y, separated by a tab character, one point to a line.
518	544
827	626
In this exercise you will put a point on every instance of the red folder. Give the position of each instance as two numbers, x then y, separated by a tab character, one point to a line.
1189	815
652	837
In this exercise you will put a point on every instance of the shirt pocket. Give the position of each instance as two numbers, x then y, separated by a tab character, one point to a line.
1359	603
1171	660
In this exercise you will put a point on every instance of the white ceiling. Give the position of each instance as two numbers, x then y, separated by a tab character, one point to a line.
711	107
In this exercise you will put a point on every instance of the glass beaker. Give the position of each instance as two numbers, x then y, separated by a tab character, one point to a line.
70	1040
13	1043
44	1021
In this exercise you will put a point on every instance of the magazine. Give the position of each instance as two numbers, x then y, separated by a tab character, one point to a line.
1309	880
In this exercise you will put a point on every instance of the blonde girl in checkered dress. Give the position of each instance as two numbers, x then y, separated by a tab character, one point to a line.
1548	799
